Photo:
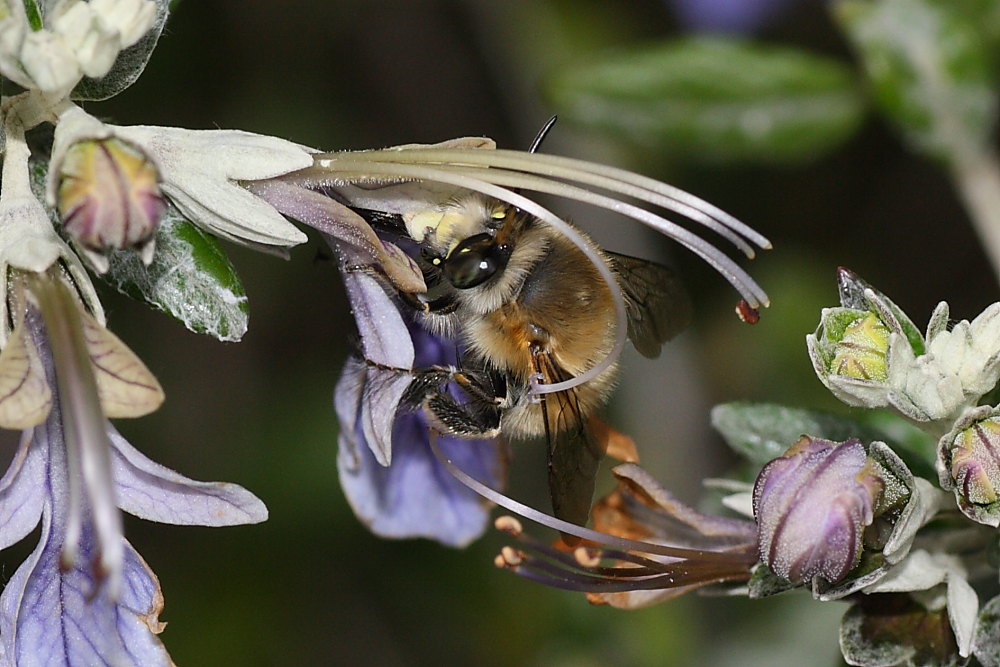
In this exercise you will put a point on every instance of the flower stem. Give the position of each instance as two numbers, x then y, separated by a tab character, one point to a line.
977	176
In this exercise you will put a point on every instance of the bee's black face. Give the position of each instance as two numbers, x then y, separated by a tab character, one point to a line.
475	260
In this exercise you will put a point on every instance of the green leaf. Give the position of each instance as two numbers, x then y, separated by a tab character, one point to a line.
715	100
764	583
34	14
764	431
190	279
893	629
987	643
931	69
128	66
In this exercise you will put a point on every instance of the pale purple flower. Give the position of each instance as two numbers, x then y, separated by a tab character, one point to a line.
85	596
388	471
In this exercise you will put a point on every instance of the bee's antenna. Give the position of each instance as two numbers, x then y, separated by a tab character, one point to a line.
540	137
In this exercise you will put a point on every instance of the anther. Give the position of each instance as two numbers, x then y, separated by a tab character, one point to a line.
585	558
511	556
747	313
509	525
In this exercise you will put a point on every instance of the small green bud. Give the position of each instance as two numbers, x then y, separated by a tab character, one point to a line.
861	352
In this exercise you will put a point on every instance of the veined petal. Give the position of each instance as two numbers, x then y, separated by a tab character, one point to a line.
124	384
383	390
350	235
385	339
153	492
49	616
22	489
415	496
25	396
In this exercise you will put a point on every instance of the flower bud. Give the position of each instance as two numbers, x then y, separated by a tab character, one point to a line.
812	506
109	196
861	351
850	351
969	464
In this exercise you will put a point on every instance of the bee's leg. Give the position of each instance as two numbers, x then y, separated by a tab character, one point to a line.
477	418
463	420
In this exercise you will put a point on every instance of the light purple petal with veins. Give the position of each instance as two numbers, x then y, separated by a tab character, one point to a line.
385	340
154	492
22	492
416	496
53	618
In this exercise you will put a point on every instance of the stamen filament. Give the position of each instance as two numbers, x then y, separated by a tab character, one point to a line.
606	177
712	256
597	537
87	448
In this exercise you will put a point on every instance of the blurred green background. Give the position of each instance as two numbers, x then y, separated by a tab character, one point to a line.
312	586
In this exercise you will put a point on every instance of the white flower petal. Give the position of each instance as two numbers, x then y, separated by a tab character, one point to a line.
200	170
963	611
130	18
919	571
50	62
94	44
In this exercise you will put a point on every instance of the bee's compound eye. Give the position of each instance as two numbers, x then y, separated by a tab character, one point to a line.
474	261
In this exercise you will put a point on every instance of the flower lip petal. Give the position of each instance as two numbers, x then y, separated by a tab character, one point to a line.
22	487
153	492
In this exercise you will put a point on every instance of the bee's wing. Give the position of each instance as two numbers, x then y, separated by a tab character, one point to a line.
656	303
575	453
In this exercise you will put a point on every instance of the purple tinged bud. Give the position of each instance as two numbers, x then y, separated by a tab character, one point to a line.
109	195
975	461
812	506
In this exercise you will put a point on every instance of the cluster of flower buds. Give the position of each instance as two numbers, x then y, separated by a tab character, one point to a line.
51	53
870	354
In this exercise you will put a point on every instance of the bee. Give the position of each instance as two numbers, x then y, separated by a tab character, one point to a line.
525	303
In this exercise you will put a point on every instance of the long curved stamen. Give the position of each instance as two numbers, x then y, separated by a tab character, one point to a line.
526	175
87	446
527	205
613	179
544	519
718	261
582	570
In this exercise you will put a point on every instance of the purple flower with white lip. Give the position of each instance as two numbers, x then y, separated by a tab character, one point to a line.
85	596
812	506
